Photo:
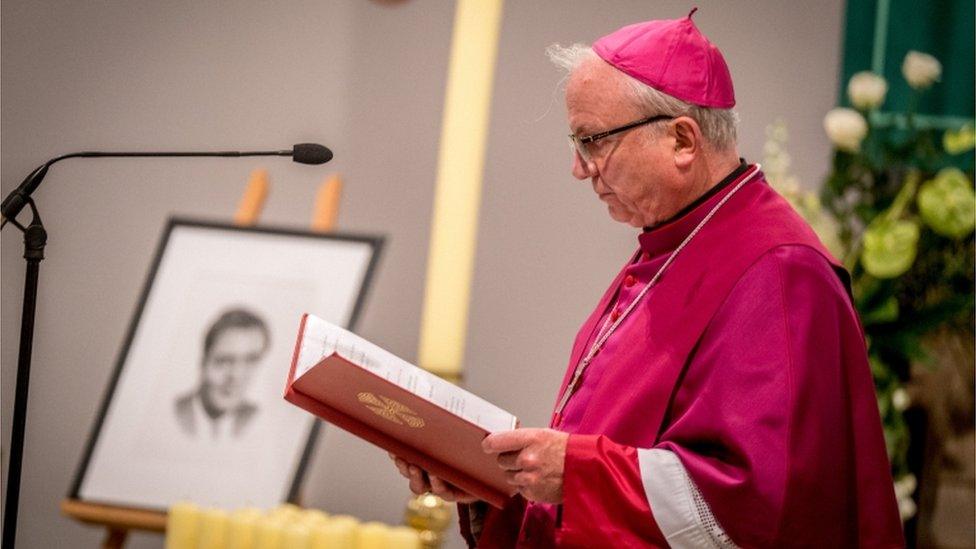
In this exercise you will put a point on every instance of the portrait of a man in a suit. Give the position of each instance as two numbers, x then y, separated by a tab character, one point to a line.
233	349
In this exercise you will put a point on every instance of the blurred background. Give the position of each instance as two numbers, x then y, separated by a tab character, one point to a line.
367	78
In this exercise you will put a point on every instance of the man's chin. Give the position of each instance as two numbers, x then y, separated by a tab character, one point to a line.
622	216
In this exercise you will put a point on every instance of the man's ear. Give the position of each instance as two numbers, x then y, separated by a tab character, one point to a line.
688	140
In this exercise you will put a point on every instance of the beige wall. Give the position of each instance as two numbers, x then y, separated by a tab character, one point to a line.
367	80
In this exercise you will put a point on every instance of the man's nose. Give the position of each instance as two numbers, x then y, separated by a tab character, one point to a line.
581	168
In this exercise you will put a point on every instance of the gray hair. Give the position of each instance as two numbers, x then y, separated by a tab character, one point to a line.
717	125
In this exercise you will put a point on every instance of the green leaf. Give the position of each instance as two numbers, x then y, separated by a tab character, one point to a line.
959	141
887	312
947	203
890	247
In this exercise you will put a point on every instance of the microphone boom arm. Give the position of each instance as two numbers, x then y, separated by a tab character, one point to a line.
19	197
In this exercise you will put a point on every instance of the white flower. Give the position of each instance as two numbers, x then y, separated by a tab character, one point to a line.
921	69
900	399
904	488
846	128
906	509
867	90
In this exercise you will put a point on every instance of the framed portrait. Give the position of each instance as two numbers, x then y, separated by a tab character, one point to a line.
194	408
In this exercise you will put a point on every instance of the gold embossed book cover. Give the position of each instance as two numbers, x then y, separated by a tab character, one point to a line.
367	391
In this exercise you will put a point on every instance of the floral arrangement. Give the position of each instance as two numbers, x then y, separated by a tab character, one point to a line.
898	207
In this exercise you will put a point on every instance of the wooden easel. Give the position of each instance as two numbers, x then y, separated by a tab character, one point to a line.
119	521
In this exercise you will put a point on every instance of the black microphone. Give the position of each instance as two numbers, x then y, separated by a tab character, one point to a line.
304	153
311	153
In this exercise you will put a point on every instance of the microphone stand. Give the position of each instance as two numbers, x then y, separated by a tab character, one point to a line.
35	237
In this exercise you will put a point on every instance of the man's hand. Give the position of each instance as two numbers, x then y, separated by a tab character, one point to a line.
421	482
533	461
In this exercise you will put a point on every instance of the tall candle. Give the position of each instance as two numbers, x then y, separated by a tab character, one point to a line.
373	535
457	192
213	529
182	526
326	208
252	201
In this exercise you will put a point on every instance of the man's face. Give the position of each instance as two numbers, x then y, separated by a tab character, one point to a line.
631	171
230	365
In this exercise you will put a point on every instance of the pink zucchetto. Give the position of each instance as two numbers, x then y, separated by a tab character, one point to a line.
671	56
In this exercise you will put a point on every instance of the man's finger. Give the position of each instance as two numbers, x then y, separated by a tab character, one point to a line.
520	479
417	486
403	467
508	441
446	490
418	481
507	460
450	492
439	488
510	478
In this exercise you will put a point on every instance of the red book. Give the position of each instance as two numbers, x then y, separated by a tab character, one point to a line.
399	407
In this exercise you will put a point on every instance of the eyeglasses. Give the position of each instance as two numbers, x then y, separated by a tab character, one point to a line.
579	144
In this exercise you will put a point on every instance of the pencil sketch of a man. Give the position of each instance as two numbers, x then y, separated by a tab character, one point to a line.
233	349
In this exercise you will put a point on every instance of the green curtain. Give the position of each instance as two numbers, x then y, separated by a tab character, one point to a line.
942	28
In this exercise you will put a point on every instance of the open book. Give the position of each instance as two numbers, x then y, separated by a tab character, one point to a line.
366	390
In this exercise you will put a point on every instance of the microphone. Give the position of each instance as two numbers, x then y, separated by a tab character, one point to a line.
311	153
303	153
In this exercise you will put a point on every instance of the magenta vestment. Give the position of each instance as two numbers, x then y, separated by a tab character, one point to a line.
747	362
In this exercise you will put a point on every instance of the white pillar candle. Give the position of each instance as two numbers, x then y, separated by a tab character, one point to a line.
182	526
373	535
213	529
297	536
404	537
242	531
313	517
339	532
287	512
270	532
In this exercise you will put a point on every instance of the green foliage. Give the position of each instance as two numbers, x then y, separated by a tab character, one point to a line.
898	207
905	210
890	247
947	203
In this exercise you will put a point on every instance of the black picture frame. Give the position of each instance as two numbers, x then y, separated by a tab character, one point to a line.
373	241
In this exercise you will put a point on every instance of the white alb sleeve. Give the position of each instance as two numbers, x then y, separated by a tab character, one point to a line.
681	512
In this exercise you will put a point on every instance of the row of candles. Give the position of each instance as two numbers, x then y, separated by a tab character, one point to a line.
286	527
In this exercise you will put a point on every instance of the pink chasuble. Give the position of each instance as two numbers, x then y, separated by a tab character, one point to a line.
734	406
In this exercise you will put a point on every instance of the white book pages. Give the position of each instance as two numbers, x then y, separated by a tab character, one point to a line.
322	338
